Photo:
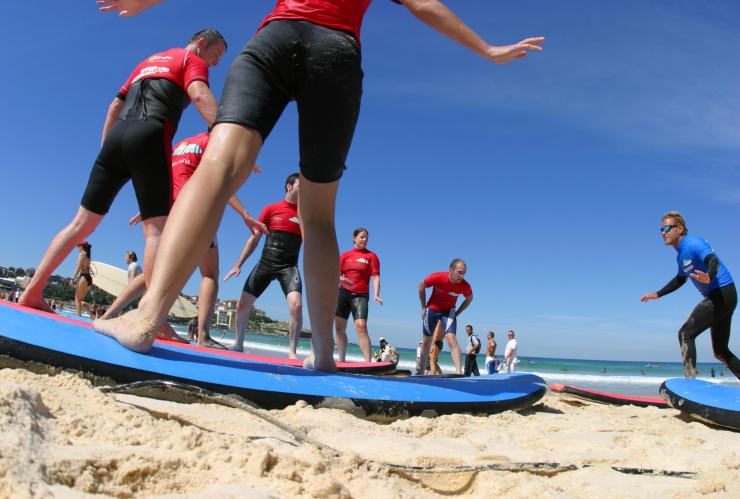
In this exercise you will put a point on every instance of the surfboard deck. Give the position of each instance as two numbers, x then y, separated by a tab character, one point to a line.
62	343
609	398
113	280
353	367
709	402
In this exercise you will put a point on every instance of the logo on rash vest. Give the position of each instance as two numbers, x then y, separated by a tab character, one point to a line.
363	260
452	293
151	70
295	220
687	267
185	148
160	58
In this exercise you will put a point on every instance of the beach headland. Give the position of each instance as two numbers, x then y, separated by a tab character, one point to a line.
63	437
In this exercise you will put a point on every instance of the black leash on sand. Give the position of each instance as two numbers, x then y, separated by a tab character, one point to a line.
539	468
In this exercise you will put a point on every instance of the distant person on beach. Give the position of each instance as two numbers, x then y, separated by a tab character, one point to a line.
186	157
356	268
279	261
387	353
471	354
134	268
82	280
308	51
136	146
441	307
193	329
698	261
491	353
712	372
510	354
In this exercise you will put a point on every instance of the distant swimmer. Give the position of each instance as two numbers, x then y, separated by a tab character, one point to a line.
441	308
308	51
356	268
82	280
698	261
136	146
279	261
186	157
132	262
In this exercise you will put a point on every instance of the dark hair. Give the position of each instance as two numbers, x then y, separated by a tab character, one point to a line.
131	256
469	325
290	180
86	248
209	35
456	261
358	231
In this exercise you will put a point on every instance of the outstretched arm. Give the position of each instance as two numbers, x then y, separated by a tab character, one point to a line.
672	286
254	225
248	249
126	7
436	15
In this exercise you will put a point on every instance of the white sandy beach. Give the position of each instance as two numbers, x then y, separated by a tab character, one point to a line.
62	437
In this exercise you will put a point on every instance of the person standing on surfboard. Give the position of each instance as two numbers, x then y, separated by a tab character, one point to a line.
279	261
698	261
136	145
356	267
441	308
307	51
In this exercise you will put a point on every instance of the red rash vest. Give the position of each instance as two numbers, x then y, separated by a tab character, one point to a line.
345	15
445	292
358	265
281	216
186	157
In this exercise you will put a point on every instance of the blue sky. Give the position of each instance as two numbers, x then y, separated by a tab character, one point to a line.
547	175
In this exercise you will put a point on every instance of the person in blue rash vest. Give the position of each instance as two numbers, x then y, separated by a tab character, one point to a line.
698	261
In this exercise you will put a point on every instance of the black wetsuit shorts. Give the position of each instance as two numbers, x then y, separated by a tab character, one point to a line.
352	302
139	150
279	261
319	68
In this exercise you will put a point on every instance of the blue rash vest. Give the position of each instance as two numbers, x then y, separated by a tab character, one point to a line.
691	254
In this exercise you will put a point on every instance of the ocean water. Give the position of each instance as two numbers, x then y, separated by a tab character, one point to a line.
633	377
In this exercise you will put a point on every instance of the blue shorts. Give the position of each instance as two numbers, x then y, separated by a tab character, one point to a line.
449	321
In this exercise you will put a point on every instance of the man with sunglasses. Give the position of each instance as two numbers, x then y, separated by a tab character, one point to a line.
698	261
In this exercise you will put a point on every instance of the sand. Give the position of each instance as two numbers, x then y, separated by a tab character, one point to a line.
63	437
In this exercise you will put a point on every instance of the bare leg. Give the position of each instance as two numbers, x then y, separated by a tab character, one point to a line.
320	267
295	309
340	328
192	224
363	338
153	228
82	225
454	351
424	357
133	290
243	307
207	297
434	351
80	292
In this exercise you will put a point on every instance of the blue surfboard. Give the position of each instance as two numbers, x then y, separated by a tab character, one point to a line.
710	402
31	336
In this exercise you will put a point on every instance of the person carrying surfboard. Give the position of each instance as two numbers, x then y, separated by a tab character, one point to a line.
698	261
136	145
307	51
441	308
279	260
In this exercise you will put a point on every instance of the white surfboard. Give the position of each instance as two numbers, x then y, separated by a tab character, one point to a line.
113	280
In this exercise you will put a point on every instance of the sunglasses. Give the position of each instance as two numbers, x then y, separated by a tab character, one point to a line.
667	228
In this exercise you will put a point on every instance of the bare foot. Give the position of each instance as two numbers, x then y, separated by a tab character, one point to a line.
134	332
166	332
292	355
36	302
211	343
310	362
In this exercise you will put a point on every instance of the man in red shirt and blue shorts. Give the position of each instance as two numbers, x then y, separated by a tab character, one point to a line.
307	51
446	288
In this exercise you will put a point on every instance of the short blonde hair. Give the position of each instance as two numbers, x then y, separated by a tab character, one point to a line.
678	219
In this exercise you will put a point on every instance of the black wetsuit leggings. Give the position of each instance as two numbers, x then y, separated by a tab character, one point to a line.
713	312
